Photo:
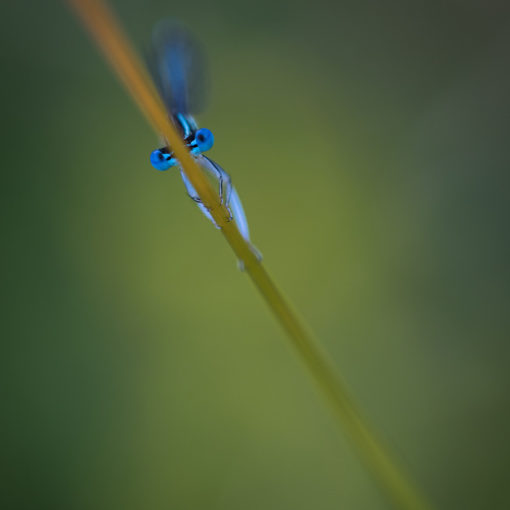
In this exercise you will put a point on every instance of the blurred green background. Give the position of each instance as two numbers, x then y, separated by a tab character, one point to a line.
369	143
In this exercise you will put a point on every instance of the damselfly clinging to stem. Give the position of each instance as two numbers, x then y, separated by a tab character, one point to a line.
178	69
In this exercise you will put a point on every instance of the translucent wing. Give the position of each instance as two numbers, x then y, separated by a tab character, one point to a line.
236	208
178	68
227	192
228	196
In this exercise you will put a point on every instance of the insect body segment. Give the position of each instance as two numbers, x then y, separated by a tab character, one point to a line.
197	141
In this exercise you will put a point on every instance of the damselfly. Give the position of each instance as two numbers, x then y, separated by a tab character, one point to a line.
178	69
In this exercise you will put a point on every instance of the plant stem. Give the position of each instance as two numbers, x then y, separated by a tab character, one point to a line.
102	25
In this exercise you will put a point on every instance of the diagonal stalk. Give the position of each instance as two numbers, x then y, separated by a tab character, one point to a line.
102	25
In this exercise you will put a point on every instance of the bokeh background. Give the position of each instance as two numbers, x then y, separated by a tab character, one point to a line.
141	369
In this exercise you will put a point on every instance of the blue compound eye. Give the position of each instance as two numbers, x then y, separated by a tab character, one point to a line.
204	139
160	160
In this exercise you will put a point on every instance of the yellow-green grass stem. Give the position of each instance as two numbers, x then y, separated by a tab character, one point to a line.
104	28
